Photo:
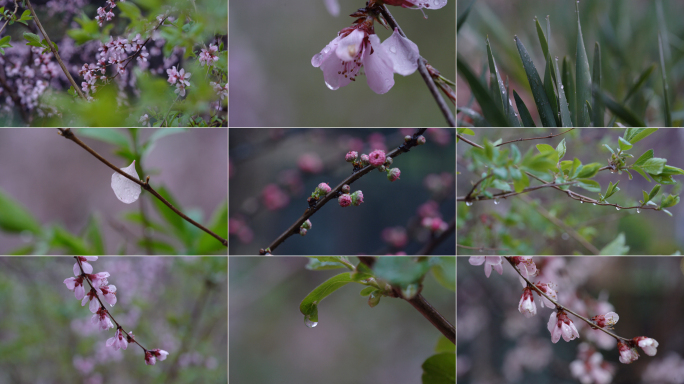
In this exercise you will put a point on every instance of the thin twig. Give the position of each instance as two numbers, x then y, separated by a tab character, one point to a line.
446	111
481	248
294	228
534	138
54	51
504	195
468	141
562	307
433	243
16	6
68	134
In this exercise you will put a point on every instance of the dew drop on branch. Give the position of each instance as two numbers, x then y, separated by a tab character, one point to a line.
617	208
126	190
469	203
638	210
497	201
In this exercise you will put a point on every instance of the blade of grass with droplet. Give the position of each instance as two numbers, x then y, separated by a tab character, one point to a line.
621	112
524	112
566	121
490	110
569	88
583	88
510	112
666	88
462	18
549	73
546	114
497	87
599	110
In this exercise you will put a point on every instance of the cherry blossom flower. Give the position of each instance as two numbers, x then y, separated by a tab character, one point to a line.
153	354
560	325
489	262
377	158
92	297
102	319
345	200
590	367
526	305
526	266
550	290
647	344
76	284
628	354
417	4
607	320
118	341
109	294
98	279
342	59
208	56
87	268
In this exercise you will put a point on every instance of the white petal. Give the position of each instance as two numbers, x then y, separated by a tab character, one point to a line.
124	189
403	53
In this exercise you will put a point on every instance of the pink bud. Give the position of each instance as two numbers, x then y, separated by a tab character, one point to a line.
303	231
345	200
628	354
377	158
647	344
420	140
393	174
365	160
526	305
351	156
357	198
346	188
325	188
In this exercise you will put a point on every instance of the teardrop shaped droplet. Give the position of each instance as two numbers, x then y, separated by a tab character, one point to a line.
309	323
617	208
581	201
594	203
497	201
638	210
469	203
329	86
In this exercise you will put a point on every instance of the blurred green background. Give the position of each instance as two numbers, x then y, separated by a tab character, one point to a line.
520	227
174	304
646	292
272	81
260	157
352	343
627	31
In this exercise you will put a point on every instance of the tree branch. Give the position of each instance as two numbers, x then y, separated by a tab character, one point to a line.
534	138
509	194
294	228
68	134
446	111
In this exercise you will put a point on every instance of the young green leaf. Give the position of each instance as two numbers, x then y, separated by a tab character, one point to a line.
644	157
624	144
653	193
669	201
439	369
400	270
560	149
327	262
521	184
616	247
612	188
309	306
669	170
634	135
646	198
525	116
589	184
589	170
546	113
367	291
15	218
654	166
583	77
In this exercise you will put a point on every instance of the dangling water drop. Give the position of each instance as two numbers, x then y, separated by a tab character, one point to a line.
638	210
497	201
581	201
594	203
309	323
617	208
469	203
329	86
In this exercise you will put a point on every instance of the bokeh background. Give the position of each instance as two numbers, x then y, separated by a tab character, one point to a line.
646	233
171	303
352	343
497	344
627	31
273	171
60	183
272	81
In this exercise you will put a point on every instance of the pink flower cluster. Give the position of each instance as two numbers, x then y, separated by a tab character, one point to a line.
208	56
105	13
180	78
114	52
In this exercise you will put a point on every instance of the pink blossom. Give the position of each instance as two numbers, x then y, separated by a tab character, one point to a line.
149	358
393	174
628	354
647	344
76	284
395	236
550	290
92	297
182	82
377	158
351	156
99	279
345	200
109	294
607	320
238	227
434	224
208	56
357	198
87	268
324	188
590	366
429	4
429	209
526	305
310	162
153	354
118	341
489	262
526	267
173	75
560	325
342	59
102	319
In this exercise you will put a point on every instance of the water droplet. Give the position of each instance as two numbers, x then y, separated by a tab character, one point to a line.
497	201
326	49
469	203
581	201
309	323
638	210
594	203
393	49
617	208
329	86
562	87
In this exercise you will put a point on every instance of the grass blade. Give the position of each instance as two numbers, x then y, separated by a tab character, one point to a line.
599	110
569	84
490	110
509	111
462	18
639	83
546	114
549	72
621	112
583	78
566	121
496	84
666	88
524	112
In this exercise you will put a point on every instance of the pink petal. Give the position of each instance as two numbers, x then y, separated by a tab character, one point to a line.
349	47
403	53
378	66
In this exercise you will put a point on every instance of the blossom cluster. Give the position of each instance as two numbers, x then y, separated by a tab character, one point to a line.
101	291
378	159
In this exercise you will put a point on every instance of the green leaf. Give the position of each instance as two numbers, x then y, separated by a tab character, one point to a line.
599	110
525	116
634	135
497	85
175	222
669	170
130	10
4	42
15	218
589	185
644	157
93	234
669	201
624	144
616	247
70	243
498	184
33	39
609	148
328	262
465	131
550	91
663	179
560	149
440	369
367	291
491	112
666	87
589	170
546	113
445	345
207	244
521	184
309	306
569	88
654	166
444	270
642	173
646	198
612	188
583	77
566	119
668	212
653	193
108	135
621	112
400	270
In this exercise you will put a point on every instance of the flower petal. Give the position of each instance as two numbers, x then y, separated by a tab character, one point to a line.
403	53
126	190
378	66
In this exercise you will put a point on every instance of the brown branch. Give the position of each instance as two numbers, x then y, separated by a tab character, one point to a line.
433	243
16	6
423	306
68	134
446	111
509	194
534	138
294	228
468	141
54	51
481	248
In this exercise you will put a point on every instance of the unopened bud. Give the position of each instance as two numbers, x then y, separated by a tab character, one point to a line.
302	231
393	174
346	188
421	140
351	156
307	224
388	160
357	198
407	138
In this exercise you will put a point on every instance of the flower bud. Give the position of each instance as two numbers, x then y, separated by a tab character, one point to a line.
345	200
365	160
407	138
357	198
393	174
388	160
382	168
306	224
351	156
322	190
647	344
420	140
346	188
302	231
628	354
377	158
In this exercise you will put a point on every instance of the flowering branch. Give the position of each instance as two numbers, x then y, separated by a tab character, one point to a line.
68	134
54	51
446	111
337	192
